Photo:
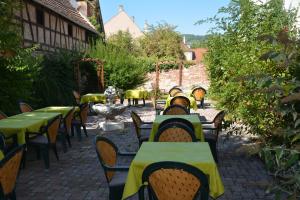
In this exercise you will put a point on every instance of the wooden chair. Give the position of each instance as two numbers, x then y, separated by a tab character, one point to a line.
2	115
174	181
80	118
174	90
65	129
176	110
182	101
175	132
177	120
24	107
199	93
116	175
9	170
211	132
142	129
8	143
42	143
77	97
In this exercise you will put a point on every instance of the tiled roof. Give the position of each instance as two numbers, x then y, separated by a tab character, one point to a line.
65	9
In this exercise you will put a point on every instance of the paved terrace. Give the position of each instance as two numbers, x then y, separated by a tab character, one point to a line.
79	176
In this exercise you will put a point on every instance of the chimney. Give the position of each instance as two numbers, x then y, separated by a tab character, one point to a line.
183	39
121	8
133	18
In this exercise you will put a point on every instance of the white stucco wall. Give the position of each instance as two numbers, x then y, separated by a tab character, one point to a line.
122	22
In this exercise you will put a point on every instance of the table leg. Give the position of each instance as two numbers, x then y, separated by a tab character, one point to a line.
129	102
144	103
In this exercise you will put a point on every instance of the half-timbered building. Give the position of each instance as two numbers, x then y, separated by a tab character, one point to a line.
55	24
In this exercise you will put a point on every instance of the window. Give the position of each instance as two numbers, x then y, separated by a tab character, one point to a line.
40	17
70	30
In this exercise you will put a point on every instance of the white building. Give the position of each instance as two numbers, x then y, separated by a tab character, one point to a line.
122	22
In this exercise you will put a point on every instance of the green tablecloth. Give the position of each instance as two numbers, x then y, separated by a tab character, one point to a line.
194	119
194	153
43	116
95	97
64	110
192	101
1	155
20	126
136	94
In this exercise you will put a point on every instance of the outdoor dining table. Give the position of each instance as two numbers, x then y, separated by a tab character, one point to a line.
197	154
19	126
93	98
64	110
191	98
194	119
136	94
42	116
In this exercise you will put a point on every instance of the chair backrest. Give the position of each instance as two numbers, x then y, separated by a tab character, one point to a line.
199	93
176	110
9	168
181	100
218	120
137	122
179	94
174	90
2	115
175	132
2	142
24	107
52	129
84	109
177	120
68	120
76	96
107	155
175	181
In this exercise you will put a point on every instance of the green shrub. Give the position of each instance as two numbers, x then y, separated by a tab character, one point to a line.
55	80
121	69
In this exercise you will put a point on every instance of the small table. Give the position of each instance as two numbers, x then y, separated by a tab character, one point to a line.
194	119
93	98
135	95
197	154
11	126
64	110
192	101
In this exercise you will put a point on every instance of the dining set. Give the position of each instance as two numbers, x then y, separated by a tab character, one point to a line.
177	156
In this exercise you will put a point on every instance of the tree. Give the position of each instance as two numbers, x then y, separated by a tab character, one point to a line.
124	41
162	41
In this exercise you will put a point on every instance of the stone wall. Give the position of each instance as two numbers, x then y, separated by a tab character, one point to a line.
194	75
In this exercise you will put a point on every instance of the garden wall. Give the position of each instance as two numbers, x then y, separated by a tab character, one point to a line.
194	75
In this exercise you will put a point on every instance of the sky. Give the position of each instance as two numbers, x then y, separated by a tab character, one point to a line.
181	13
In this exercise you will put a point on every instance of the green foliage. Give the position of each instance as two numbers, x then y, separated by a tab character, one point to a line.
55	80
162	41
124	41
122	69
17	65
253	64
196	41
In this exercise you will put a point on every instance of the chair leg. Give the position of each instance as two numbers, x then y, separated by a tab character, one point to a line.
72	131
202	103
45	153
84	129
13	195
78	132
55	151
69	140
38	152
23	161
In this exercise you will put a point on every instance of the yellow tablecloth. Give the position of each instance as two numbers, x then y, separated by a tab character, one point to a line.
11	126
93	97
64	110
194	119
194	153
1	155
43	116
136	94
192	101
